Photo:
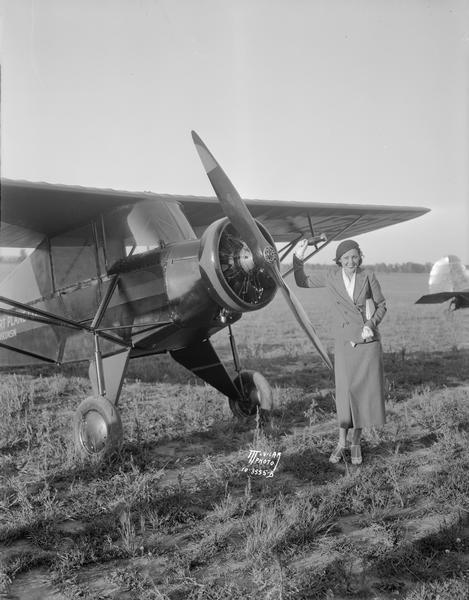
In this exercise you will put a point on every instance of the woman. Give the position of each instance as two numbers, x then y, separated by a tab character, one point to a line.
359	306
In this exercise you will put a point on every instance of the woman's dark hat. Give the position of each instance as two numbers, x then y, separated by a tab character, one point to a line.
344	247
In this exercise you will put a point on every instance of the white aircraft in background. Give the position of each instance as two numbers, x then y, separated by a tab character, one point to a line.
449	280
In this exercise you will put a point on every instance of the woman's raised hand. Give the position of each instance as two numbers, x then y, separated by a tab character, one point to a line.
300	249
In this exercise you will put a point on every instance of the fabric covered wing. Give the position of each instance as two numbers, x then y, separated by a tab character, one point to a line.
30	211
287	220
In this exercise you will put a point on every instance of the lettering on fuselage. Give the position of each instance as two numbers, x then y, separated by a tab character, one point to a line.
7	327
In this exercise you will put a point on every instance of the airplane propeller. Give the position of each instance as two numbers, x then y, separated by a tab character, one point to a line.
264	255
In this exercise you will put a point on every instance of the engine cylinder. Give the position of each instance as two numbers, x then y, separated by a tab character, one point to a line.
228	268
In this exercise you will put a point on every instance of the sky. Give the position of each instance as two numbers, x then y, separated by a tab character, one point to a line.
341	101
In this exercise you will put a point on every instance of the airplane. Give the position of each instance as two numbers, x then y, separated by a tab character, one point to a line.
118	275
449	280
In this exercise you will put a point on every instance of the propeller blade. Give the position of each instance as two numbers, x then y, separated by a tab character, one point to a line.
300	315
264	255
234	207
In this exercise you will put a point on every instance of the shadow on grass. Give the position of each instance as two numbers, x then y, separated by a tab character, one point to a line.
403	446
310	465
437	556
434	369
403	369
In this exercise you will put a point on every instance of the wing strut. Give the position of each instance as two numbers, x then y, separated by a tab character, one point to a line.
289	247
26	353
32	313
326	243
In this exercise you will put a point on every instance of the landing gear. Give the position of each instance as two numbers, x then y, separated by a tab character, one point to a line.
254	392
97	428
255	395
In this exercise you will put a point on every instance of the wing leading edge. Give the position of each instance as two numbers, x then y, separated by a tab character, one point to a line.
29	209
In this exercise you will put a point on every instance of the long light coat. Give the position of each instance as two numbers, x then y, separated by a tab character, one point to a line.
358	367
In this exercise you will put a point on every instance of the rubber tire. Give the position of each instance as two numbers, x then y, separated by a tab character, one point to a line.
113	424
259	393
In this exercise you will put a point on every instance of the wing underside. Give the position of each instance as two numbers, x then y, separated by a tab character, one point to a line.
30	211
443	297
287	221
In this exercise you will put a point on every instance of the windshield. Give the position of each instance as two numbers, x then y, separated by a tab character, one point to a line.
147	225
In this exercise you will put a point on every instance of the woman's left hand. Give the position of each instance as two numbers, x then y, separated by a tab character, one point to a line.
367	332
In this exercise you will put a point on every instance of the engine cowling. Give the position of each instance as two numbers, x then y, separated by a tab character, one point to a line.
227	267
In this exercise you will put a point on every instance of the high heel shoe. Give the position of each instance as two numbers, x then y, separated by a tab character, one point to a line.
338	453
356	454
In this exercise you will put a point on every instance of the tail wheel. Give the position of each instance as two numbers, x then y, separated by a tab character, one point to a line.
255	395
97	428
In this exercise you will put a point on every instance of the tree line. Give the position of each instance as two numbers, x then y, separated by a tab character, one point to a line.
407	267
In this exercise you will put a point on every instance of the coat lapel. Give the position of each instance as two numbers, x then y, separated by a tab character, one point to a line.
360	281
339	286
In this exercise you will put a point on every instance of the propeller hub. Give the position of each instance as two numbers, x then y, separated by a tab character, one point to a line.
245	258
270	254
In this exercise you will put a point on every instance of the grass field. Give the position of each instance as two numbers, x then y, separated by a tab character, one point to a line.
174	515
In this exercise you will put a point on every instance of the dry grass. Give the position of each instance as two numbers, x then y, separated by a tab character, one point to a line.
172	516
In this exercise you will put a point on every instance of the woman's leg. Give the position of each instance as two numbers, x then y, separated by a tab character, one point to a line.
338	452
356	435
343	436
355	449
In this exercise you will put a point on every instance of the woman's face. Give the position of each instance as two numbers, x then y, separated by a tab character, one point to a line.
350	260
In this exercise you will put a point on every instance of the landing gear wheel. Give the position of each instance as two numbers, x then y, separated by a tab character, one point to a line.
257	396
97	428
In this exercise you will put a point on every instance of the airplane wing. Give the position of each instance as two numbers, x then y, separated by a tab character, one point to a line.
30	211
443	297
286	220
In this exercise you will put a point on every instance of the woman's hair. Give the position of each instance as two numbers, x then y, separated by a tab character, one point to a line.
360	254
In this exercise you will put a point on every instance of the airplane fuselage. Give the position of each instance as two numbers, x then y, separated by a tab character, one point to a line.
170	292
